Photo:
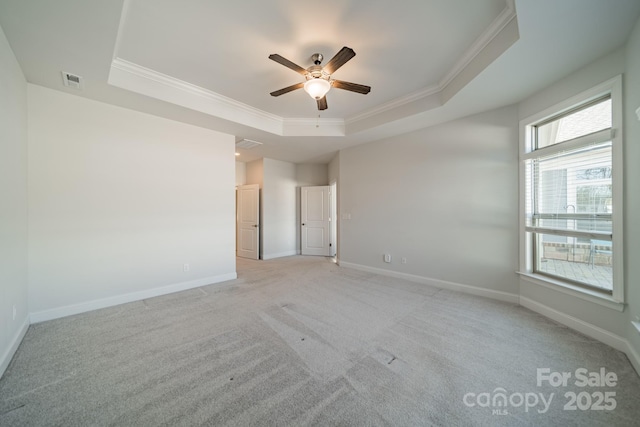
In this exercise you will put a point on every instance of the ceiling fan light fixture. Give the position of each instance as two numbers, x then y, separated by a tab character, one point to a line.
317	88
318	78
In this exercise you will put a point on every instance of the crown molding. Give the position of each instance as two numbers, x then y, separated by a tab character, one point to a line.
394	103
133	77
466	64
127	75
501	34
507	15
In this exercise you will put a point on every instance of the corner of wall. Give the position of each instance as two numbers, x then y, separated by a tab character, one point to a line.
7	356
633	348
632	191
14	306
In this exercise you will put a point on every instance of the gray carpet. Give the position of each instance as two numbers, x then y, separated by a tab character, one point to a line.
300	341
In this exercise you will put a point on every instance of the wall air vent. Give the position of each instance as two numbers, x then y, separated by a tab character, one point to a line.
247	144
71	80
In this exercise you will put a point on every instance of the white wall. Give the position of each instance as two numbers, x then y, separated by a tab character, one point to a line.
119	201
312	174
241	173
443	197
278	209
254	173
600	70
333	172
632	186
333	169
13	204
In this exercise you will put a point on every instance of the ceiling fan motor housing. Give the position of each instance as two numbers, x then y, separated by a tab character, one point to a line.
317	58
316	72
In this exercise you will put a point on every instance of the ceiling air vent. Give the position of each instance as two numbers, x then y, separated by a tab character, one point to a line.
71	80
247	144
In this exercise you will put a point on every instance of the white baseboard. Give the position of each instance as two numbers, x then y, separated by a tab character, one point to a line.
83	307
15	343
442	284
279	255
633	356
586	328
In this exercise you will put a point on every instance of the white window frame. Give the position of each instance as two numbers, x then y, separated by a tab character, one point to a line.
615	300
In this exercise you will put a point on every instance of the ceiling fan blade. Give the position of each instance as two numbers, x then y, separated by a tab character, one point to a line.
322	103
340	58
287	89
284	61
353	87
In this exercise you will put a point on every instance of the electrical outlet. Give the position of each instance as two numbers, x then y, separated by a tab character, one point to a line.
387	257
185	268
404	260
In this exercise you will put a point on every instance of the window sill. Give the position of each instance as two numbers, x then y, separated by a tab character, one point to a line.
578	292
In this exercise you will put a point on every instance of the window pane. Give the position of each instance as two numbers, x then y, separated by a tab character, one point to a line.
572	190
583	122
588	262
568	186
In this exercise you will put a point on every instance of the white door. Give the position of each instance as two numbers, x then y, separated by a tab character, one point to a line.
333	215
315	220
248	221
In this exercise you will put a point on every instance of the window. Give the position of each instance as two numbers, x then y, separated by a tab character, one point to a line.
571	190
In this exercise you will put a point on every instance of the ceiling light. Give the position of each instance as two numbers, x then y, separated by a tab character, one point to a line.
237	154
317	88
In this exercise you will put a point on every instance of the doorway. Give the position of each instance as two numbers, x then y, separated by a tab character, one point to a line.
316	219
333	219
248	221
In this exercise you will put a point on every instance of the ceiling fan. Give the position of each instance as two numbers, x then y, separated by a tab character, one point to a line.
318	78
